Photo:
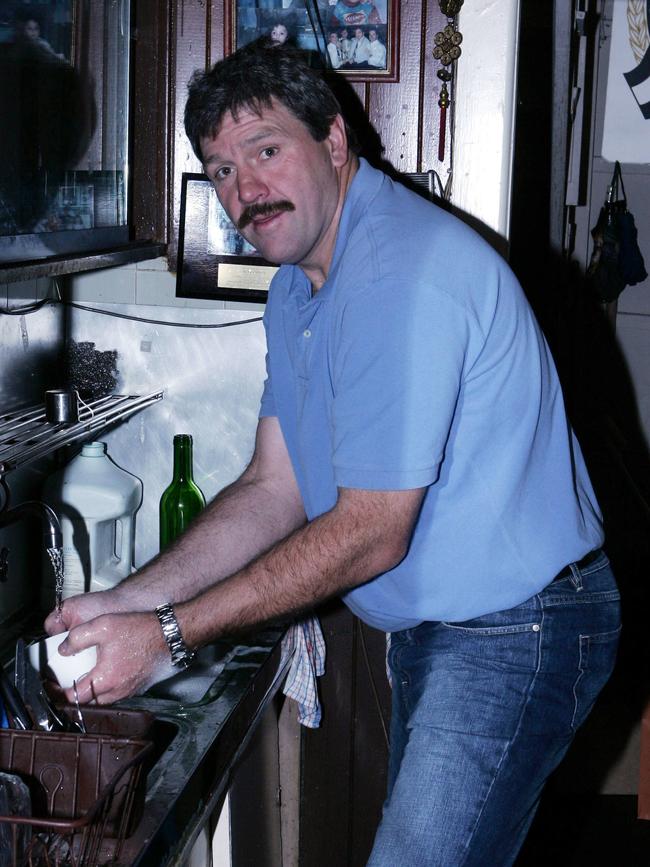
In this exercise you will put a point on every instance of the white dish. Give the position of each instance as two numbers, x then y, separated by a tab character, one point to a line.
46	659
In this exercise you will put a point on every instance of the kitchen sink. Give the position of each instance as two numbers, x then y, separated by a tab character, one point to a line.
162	733
202	717
193	685
200	684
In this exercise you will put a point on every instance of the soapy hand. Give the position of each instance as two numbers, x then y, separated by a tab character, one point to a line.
79	609
131	656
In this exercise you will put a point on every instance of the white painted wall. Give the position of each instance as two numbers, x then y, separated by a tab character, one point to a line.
485	111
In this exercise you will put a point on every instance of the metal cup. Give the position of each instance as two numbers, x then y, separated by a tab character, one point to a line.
61	406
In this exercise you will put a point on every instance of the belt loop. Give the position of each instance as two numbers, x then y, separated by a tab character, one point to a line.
575	577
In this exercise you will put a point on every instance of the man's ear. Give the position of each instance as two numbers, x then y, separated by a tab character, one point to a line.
338	141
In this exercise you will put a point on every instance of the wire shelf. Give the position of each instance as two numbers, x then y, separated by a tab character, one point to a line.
26	435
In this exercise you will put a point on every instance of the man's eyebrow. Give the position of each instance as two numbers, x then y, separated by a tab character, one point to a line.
251	140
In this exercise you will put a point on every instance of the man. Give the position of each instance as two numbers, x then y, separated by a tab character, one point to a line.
360	50
333	50
412	456
345	44
376	52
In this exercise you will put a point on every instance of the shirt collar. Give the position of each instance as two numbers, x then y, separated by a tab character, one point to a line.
363	189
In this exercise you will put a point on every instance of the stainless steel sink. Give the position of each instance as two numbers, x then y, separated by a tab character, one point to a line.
192	686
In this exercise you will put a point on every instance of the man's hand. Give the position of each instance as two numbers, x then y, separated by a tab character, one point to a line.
86	606
131	656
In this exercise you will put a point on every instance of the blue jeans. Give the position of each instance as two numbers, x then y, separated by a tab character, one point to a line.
483	711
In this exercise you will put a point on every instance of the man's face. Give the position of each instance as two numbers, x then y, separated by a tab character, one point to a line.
344	34
372	35
358	33
277	184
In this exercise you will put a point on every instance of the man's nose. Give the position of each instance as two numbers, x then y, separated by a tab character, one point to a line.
250	187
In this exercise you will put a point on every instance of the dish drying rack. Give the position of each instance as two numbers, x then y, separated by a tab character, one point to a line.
86	792
26	435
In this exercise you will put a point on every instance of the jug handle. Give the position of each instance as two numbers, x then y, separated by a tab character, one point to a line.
123	540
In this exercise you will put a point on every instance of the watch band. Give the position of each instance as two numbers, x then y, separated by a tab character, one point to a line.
171	631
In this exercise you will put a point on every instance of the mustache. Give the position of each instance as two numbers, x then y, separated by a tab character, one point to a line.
264	209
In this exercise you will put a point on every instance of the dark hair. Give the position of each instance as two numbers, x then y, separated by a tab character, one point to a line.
252	78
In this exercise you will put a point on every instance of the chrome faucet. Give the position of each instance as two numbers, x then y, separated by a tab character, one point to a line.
52	528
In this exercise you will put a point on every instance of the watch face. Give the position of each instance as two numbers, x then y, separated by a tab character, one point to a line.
180	655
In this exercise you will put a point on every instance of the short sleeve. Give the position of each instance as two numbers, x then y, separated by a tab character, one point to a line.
267	402
398	375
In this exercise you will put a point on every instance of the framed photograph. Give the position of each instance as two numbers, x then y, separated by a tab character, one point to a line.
214	260
356	38
43	28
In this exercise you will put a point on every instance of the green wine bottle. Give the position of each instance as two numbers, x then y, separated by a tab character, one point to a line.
183	499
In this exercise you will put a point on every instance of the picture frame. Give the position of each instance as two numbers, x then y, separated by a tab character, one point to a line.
214	260
309	25
47	26
59	199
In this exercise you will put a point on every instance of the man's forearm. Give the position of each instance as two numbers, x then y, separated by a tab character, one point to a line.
244	520
337	551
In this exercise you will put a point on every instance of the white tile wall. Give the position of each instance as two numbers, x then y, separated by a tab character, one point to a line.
25	292
145	283
109	284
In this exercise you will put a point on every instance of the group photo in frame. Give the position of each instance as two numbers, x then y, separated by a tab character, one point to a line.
355	38
214	260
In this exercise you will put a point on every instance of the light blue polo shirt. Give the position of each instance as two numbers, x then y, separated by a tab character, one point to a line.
419	364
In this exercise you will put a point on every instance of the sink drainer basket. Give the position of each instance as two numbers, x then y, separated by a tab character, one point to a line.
87	795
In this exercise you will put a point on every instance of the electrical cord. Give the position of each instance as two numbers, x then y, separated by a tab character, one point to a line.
160	321
29	308
23	311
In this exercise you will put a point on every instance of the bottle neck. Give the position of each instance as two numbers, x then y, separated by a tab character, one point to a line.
182	458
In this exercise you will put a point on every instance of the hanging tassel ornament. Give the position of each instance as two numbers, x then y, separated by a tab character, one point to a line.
447	51
444	75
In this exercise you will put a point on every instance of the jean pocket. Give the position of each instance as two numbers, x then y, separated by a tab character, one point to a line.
394	657
477	627
597	658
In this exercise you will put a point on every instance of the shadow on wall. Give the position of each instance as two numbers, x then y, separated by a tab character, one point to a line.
574	826
602	407
371	148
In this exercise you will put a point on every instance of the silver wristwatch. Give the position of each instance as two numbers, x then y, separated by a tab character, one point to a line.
180	654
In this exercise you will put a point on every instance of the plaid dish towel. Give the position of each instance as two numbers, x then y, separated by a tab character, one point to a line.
304	643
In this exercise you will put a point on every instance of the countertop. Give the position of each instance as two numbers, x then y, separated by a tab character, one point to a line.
189	780
203	720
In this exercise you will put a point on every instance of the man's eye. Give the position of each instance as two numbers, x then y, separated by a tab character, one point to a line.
222	173
269	152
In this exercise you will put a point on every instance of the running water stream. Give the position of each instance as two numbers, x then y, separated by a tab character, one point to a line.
56	559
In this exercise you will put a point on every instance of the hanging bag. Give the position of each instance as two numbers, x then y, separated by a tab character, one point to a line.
616	261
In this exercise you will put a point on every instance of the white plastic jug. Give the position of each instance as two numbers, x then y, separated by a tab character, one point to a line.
96	502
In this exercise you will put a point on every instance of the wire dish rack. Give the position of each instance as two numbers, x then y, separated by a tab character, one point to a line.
26	435
86	791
